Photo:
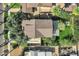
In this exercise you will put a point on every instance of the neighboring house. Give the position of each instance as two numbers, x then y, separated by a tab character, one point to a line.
29	7
45	7
1	29
61	5
70	7
40	7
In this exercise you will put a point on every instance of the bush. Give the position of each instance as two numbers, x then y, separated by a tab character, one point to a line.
48	41
14	44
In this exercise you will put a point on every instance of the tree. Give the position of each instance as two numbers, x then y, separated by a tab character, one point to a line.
76	31
13	24
57	11
64	16
75	13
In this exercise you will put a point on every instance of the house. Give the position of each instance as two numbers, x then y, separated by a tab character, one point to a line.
37	28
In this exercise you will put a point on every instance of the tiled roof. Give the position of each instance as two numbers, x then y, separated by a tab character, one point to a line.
16	52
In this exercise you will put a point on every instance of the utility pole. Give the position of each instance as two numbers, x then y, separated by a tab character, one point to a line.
9	33
9	42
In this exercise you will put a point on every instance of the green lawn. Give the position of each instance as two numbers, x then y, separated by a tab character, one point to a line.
48	41
65	32
65	36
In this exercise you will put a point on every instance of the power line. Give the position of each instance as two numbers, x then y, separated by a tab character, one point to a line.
6	10
5	43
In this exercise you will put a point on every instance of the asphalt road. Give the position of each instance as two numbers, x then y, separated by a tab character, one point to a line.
1	31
